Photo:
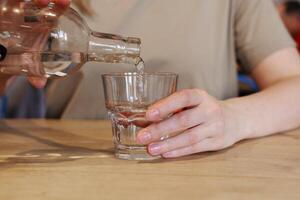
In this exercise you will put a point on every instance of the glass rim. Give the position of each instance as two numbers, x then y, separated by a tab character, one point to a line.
134	74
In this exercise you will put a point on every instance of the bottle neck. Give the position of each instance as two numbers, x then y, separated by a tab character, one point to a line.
110	48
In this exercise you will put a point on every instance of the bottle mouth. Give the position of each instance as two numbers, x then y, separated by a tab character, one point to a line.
133	48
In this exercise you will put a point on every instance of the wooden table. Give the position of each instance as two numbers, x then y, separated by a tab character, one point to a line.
41	160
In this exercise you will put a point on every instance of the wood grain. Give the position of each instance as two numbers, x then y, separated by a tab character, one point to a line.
41	160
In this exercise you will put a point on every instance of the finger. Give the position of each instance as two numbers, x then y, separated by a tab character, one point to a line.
177	123
32	65
40	41
173	103
33	61
209	144
185	139
60	5
37	82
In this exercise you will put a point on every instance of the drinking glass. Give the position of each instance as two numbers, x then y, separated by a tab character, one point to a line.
127	98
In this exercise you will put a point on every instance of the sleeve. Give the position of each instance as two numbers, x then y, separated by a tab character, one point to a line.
259	32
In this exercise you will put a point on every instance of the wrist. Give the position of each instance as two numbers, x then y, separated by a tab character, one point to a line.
236	122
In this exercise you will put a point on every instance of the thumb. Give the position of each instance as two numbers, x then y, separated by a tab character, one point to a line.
37	82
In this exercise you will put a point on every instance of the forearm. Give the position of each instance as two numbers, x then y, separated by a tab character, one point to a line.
270	111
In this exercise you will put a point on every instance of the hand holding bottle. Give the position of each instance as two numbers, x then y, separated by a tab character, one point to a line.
35	39
43	41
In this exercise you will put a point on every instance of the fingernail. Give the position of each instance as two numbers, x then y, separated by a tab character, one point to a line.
144	138
154	149
154	113
167	155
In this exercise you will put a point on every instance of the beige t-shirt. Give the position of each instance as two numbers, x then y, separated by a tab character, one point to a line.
198	39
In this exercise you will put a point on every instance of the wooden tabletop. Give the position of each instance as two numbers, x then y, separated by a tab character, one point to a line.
53	160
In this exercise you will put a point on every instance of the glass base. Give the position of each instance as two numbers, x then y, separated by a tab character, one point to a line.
133	153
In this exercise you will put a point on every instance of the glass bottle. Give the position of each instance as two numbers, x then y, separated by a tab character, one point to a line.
38	42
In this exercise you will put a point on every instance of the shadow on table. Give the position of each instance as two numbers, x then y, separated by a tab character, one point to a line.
59	153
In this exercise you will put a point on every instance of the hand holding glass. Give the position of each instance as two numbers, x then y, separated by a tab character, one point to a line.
127	97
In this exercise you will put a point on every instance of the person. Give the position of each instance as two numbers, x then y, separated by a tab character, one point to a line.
201	41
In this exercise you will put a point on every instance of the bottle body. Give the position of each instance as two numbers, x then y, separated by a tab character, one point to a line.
39	43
